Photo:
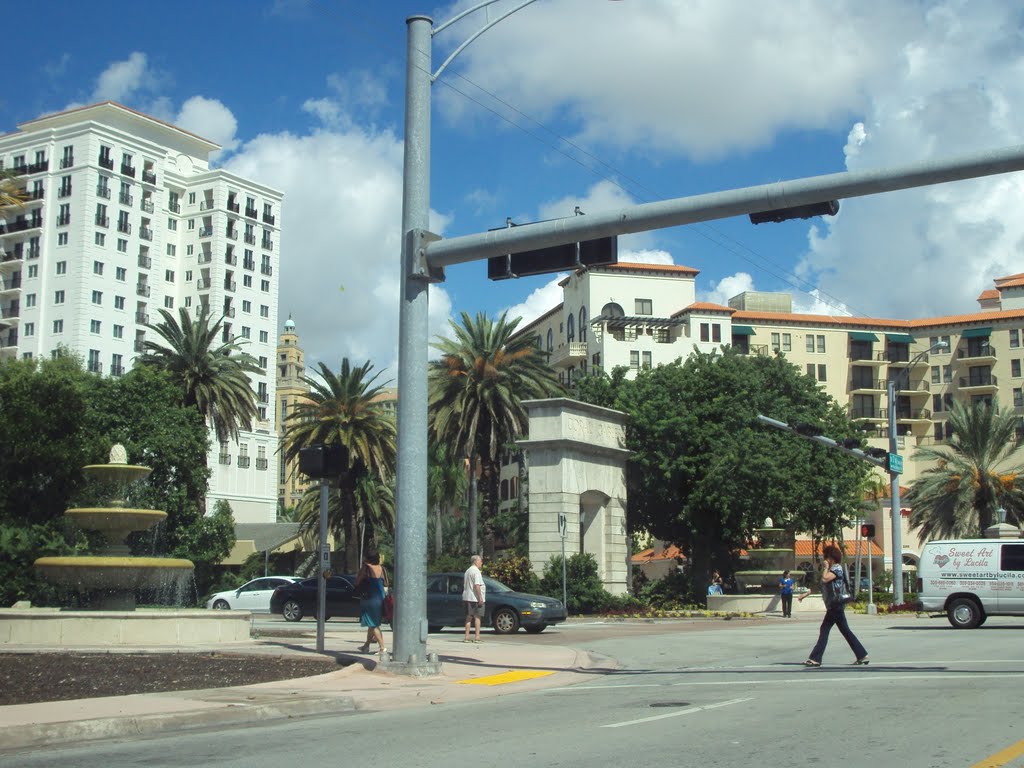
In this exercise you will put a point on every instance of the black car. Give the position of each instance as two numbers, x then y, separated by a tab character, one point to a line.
506	611
294	601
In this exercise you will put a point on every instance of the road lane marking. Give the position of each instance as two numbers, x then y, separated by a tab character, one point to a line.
1002	757
680	713
514	676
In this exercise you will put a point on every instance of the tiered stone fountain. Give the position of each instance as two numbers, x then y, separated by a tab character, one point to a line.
109	581
773	554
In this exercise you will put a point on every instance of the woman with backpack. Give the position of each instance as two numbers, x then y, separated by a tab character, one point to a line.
834	585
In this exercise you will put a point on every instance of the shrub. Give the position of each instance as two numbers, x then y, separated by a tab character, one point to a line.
446	563
585	593
514	571
668	594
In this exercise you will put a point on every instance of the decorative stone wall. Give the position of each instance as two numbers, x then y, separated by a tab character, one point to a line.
577	467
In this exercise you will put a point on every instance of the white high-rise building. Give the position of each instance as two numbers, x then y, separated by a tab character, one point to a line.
125	218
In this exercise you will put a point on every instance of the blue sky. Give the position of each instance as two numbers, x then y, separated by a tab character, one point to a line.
573	102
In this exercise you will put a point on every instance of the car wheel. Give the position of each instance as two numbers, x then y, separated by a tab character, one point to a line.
222	605
292	611
434	628
536	629
505	621
964	613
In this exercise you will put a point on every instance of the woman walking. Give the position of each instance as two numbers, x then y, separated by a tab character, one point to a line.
371	603
835	611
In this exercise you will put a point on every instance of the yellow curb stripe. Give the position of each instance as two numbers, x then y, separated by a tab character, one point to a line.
1003	757
507	677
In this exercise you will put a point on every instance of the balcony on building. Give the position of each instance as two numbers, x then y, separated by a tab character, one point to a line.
145	262
10	310
897	351
202	285
568	354
15	254
233	206
103	191
140	345
266	269
206	231
142	289
149	177
142	318
267	244
261	463
229	311
106	162
174	207
250	239
269	218
205	257
243	462
147	204
862	349
125	199
9	344
867	414
866	384
11	283
904	388
40	167
229	257
128	170
906	414
251	213
224	458
36	194
249	263
145	233
67	162
975	347
64	191
63	221
231	233
117	370
206	205
229	285
124	226
979	380
94	366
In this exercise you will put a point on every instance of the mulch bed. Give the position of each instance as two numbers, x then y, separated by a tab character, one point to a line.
26	678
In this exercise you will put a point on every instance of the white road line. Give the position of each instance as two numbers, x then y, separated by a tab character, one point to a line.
680	713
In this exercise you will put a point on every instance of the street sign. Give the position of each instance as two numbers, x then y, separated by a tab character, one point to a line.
562	524
325	556
896	463
556	258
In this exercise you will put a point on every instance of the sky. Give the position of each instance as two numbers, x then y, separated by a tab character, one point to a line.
596	104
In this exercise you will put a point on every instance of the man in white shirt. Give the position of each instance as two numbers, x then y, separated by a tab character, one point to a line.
474	596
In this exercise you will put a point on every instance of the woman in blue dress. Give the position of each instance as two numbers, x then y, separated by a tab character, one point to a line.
371	604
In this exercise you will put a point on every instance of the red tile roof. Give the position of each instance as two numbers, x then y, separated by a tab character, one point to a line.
704	306
1014	279
991	293
622	265
805	548
655	554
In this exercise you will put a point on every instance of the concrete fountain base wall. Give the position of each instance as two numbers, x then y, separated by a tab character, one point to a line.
763	604
148	627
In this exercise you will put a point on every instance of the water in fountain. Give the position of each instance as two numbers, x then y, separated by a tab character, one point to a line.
110	580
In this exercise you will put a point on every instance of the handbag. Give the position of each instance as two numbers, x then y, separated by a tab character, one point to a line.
388	608
840	591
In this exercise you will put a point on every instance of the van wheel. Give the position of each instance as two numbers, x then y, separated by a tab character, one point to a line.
964	613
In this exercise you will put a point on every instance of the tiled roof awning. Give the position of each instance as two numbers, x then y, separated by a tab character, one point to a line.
625	322
977	333
900	338
862	336
742	330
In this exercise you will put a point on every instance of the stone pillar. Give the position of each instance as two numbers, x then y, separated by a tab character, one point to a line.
577	467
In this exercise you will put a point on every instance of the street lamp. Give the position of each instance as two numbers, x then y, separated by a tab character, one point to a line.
894	477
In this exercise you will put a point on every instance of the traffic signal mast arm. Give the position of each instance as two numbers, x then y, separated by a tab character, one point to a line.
806	432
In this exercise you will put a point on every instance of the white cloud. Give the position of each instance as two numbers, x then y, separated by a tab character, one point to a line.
340	244
122	79
727	287
210	119
540	300
601	197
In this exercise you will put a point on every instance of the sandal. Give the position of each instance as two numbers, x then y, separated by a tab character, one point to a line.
812	663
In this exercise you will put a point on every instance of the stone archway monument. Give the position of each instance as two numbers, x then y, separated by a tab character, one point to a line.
577	467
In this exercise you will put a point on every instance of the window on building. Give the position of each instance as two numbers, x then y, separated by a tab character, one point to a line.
172	224
30	329
1015	368
122	245
58	326
936	375
97	267
246	306
933	340
188	302
1018	397
634	359
570	333
647	360
58	297
62	238
118	331
947	374
265	286
810	370
119	302
97	297
247	281
169	275
30	300
264	310
263	362
776	342
246	333
33	270
822	376
820	344
1014	338
100	239
716	332
937	430
787	342
643	306
191	198
705	332
809	340
551	339
264	337
583	324
94	326
172	249
169	302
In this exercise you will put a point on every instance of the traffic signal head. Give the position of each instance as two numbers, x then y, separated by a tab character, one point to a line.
808	430
867	531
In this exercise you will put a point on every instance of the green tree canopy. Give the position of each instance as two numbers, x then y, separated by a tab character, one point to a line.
476	391
704	474
974	474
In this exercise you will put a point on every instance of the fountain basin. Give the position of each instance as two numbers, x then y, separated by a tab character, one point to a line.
117	473
115	523
112	573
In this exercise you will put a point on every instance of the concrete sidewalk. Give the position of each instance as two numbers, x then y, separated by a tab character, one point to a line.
470	671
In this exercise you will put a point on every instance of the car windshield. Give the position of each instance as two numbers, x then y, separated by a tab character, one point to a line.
496	586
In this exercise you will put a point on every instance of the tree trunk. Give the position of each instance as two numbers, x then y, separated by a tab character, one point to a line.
348	507
438	533
472	506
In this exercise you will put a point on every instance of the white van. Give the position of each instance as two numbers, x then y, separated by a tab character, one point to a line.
972	579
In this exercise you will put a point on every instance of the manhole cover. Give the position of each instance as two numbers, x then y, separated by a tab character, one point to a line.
670	704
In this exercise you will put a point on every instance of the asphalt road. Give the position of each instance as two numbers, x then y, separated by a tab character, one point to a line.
715	694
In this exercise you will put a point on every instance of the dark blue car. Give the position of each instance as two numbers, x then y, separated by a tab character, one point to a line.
506	611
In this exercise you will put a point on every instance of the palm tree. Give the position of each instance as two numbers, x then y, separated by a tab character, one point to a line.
476	389
11	191
974	476
375	502
341	409
214	375
446	484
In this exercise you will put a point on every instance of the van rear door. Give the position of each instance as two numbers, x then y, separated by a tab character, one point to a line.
1011	578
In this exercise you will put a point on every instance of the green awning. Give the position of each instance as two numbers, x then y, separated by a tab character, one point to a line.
976	333
862	336
742	330
900	338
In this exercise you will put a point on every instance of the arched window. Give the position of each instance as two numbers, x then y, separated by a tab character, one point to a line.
612	310
583	324
570	329
551	339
